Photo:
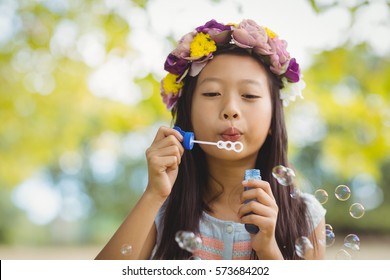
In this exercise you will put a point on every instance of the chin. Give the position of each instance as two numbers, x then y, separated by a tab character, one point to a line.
220	154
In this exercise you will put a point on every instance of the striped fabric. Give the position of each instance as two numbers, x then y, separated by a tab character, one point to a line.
223	240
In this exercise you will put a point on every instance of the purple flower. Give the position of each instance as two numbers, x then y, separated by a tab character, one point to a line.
175	65
293	72
212	26
218	32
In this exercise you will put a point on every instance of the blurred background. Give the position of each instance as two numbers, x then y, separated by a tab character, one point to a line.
80	103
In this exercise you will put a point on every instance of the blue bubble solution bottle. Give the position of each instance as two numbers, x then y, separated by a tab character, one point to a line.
251	174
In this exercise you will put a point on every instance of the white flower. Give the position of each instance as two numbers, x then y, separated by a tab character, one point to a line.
290	91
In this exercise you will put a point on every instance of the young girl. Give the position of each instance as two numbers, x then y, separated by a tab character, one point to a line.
229	83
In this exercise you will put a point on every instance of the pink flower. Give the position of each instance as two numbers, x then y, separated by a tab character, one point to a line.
198	65
249	34
279	56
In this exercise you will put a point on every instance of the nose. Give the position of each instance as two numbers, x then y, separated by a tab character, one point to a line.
230	116
230	110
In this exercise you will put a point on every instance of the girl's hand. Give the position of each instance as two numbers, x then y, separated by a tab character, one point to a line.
264	215
163	159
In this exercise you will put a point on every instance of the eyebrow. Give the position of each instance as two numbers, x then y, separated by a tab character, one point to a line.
210	79
243	81
251	81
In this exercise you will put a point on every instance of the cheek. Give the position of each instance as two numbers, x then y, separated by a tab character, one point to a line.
200	128
260	123
198	115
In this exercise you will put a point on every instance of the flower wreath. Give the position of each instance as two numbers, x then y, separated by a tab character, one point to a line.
196	48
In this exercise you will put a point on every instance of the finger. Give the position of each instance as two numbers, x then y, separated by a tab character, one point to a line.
164	132
259	195
263	223
173	150
259	184
257	209
169	151
168	141
163	164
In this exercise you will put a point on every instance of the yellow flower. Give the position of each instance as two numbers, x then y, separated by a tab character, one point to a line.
170	85
270	33
202	45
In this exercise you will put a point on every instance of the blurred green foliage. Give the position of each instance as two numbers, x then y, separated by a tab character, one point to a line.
49	112
90	148
349	89
46	105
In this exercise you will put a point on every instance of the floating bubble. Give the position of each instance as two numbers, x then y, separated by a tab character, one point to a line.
284	175
188	241
303	246
328	227
342	192
321	195
196	258
343	255
330	237
352	242
356	210
126	249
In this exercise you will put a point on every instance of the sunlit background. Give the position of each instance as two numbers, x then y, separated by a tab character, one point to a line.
80	103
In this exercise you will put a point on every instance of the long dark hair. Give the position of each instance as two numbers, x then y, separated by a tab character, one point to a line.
186	203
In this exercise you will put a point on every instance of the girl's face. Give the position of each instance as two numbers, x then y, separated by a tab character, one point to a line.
232	101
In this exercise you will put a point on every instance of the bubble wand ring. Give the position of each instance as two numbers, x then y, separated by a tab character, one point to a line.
189	140
227	145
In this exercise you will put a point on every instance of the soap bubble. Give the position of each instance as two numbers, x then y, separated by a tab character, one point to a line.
303	246
321	195
351	246
328	227
284	175
330	237
352	242
343	255
188	241
342	192
126	249
196	258
356	210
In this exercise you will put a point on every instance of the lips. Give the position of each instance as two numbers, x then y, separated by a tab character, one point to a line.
231	134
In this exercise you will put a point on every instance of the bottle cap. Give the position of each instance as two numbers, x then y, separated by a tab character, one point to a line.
252	174
188	142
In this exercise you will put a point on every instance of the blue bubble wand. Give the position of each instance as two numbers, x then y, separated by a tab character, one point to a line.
189	141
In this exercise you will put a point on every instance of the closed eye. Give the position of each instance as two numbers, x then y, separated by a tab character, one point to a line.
211	94
251	96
